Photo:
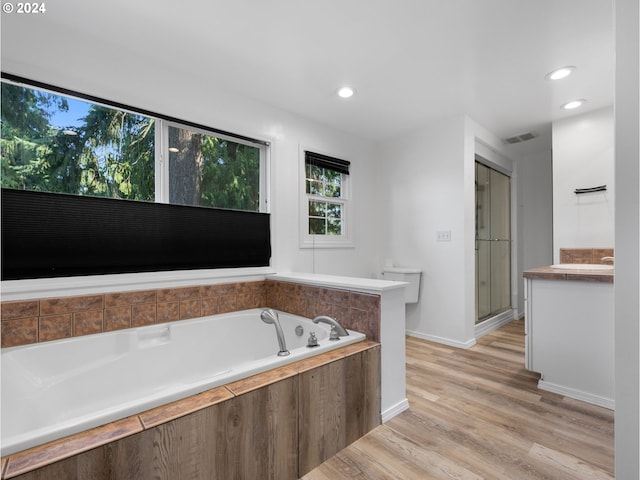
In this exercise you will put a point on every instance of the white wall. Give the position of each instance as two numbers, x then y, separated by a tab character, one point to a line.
427	178
583	157
535	214
421	178
627	243
536	188
168	92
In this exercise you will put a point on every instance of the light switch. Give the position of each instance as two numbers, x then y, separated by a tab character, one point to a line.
443	235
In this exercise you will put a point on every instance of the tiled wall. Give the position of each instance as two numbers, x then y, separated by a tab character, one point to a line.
354	310
31	321
584	255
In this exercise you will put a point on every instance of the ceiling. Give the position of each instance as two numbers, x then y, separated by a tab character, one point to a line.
411	62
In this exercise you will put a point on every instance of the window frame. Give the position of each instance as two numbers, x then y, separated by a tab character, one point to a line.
162	123
86	284
307	240
162	160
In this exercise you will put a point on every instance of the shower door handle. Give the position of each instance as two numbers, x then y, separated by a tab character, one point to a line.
490	240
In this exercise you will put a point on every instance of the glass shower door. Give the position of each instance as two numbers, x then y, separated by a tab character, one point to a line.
493	242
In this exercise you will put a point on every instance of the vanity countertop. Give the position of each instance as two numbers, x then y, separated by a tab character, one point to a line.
582	274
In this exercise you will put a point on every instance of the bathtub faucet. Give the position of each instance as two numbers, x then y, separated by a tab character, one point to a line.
271	316
607	259
334	323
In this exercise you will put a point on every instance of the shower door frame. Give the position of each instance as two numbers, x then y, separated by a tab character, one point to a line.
494	245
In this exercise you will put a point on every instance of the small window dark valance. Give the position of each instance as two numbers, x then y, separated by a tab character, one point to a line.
325	161
48	235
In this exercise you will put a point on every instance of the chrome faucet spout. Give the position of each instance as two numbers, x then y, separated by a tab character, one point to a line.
271	316
607	259
333	322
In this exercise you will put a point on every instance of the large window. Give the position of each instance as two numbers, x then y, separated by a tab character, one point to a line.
58	143
101	155
326	204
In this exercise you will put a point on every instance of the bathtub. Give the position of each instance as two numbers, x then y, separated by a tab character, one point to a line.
54	389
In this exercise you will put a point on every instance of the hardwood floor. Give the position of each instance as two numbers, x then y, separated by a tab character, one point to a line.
478	414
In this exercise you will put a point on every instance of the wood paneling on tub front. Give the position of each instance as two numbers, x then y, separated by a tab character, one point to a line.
276	425
339	403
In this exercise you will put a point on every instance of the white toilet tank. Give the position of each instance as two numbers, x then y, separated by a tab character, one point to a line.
405	274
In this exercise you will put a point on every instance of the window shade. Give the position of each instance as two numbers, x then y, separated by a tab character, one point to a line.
332	163
58	235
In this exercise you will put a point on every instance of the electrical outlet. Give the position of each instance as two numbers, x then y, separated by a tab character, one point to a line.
443	235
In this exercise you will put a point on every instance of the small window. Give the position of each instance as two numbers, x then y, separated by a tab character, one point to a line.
326	202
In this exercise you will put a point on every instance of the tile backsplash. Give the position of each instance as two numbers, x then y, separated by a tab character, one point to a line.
32	321
354	310
584	255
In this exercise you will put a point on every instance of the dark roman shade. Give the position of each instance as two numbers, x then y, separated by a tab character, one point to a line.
58	235
325	161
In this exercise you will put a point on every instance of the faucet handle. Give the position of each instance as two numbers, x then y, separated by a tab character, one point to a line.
334	333
312	341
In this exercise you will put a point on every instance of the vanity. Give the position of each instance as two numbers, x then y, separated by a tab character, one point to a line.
569	328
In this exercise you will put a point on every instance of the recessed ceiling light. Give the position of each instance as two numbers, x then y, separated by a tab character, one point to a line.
346	92
573	104
559	73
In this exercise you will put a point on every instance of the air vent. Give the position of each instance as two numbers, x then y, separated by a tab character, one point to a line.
520	138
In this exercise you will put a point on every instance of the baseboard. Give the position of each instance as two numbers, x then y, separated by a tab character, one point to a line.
577	394
394	410
493	323
443	340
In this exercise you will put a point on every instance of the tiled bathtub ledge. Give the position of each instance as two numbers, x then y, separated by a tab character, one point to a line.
48	453
39	320
36	457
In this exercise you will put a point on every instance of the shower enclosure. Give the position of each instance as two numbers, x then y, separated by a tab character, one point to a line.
493	242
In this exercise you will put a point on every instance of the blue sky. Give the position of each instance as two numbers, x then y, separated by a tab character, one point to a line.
73	117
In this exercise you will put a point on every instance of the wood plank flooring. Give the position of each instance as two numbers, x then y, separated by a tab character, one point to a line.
478	414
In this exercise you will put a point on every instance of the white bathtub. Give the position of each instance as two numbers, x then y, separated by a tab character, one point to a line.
53	389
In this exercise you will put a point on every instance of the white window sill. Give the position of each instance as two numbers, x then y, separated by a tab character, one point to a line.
326	243
96	284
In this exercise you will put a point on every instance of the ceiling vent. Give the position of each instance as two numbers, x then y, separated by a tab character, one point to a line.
520	138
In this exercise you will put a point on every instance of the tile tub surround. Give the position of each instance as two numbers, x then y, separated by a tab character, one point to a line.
584	255
354	310
111	435
40	320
